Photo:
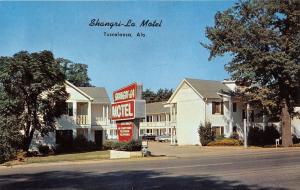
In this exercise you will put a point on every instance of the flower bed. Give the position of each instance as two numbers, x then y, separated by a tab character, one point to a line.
225	142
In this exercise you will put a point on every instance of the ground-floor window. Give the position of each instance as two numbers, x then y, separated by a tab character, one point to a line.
142	131
218	130
113	132
83	132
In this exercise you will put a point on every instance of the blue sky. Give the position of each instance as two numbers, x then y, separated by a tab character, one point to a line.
161	59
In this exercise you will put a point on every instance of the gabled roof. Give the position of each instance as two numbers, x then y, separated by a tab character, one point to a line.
204	88
208	88
99	94
156	108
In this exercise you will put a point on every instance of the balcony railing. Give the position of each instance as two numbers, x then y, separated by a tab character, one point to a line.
81	119
156	124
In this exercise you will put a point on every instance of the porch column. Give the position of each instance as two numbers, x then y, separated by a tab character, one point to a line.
74	110
90	134
107	108
90	113
103	112
230	116
264	121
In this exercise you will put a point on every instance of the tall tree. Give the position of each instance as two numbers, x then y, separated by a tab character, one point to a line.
159	96
10	126
76	73
263	39
35	85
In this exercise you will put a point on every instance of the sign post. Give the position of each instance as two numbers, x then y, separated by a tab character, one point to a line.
127	110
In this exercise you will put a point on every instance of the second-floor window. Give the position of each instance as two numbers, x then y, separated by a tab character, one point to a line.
217	108
234	107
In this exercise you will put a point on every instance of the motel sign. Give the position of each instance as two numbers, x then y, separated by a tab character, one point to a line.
128	108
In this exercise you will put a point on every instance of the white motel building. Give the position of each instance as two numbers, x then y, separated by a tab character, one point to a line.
193	103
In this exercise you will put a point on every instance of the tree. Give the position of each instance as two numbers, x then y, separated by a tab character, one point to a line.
9	127
263	39
159	96
34	85
76	73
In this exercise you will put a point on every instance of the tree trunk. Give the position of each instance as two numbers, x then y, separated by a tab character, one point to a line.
27	141
286	125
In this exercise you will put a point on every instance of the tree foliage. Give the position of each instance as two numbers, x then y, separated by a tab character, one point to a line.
159	96
76	73
34	87
263	39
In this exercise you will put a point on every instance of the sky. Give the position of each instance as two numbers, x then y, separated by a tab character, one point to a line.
161	59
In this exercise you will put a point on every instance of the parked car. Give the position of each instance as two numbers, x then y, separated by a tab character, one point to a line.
163	138
148	137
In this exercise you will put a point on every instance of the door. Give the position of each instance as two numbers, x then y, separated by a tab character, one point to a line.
99	138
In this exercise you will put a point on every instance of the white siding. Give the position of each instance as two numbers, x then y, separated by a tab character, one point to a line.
74	95
190	114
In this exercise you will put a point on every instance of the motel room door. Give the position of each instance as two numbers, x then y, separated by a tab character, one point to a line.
99	138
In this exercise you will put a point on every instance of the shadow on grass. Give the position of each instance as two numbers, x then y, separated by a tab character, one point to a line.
129	180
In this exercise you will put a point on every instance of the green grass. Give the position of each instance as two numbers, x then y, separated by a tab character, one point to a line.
96	155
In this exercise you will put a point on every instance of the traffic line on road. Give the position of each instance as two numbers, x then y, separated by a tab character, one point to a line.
189	166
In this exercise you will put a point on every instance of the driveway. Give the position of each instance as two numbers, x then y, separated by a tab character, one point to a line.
158	148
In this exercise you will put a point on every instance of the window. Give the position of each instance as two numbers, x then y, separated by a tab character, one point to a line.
149	118
217	108
83	132
113	132
244	115
234	129
218	130
70	108
234	107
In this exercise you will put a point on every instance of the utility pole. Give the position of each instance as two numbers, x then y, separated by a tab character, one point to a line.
245	134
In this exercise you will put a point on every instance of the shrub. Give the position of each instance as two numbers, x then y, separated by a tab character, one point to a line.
43	149
255	136
235	135
108	145
7	152
295	140
225	142
270	134
91	146
205	134
80	143
133	145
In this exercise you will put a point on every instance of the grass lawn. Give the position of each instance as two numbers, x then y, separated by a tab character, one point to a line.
95	155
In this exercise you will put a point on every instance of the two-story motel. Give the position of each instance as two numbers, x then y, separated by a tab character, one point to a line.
159	120
193	103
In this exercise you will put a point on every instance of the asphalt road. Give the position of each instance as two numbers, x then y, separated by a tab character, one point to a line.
224	170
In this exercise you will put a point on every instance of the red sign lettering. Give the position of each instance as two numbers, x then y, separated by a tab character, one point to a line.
123	110
126	93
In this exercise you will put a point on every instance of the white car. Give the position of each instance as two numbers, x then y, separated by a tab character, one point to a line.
163	138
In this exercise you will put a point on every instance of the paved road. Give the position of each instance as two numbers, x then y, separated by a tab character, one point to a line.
208	169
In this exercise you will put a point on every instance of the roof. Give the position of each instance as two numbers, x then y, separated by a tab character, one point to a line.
156	108
208	88
99	94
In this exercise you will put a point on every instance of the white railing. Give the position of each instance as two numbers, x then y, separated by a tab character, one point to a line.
81	119
101	121
156	124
